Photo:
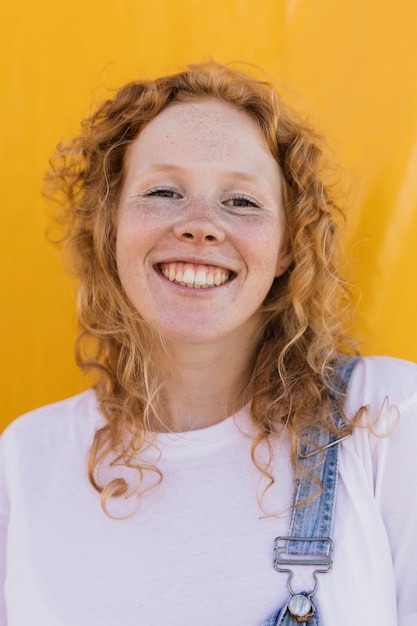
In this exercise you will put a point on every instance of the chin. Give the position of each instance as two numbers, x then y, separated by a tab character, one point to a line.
191	339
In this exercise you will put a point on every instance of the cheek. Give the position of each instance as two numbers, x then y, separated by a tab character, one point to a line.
127	256
263	252
129	237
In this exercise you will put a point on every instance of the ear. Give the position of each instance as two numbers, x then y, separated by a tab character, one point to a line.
284	260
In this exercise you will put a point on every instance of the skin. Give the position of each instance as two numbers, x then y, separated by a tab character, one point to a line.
202	193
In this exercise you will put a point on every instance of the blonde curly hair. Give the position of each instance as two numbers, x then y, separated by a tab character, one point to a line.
304	315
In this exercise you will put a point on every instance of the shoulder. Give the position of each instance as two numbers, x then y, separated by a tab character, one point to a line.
69	419
376	381
387	389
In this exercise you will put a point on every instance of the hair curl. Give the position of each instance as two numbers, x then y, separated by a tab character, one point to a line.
304	314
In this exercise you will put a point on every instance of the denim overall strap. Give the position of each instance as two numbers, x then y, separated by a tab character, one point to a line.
309	540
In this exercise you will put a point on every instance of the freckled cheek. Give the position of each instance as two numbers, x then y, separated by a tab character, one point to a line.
130	240
127	256
263	250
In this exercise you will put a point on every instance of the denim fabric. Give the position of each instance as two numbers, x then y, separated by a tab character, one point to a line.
315	518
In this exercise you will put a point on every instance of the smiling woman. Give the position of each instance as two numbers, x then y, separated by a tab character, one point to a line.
190	208
213	313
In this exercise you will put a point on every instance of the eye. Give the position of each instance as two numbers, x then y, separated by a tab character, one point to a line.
163	192
242	201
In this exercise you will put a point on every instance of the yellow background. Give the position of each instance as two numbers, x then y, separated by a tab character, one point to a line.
352	65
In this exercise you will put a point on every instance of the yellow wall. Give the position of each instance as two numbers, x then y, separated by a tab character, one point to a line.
353	65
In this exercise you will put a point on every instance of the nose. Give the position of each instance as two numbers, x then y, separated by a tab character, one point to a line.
200	226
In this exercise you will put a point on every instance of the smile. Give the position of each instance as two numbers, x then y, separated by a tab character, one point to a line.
196	276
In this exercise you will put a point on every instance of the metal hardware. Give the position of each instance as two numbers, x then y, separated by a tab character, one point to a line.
323	448
300	608
301	602
284	558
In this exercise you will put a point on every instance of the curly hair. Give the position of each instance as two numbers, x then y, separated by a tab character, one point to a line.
304	316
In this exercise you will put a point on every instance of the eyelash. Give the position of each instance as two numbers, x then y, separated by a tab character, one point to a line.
160	191
243	198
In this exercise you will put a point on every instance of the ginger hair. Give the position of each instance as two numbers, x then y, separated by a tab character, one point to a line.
304	315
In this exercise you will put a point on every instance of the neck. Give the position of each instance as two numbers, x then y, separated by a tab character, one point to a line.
203	384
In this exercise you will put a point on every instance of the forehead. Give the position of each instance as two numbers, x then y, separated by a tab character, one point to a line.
205	129
207	113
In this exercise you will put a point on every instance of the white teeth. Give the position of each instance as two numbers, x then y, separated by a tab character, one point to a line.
201	278
218	277
196	277
188	277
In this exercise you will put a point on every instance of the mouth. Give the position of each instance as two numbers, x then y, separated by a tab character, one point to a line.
195	276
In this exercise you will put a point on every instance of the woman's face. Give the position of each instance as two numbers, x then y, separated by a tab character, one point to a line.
200	230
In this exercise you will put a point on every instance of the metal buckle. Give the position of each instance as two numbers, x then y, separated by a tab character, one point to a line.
281	543
300	605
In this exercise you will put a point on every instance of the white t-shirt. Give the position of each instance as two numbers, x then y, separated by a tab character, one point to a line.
199	550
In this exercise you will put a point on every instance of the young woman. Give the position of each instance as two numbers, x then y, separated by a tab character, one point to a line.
223	456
